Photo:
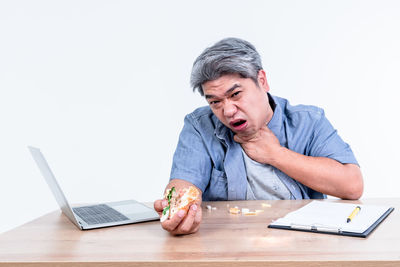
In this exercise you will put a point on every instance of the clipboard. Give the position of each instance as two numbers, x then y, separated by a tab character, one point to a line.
331	218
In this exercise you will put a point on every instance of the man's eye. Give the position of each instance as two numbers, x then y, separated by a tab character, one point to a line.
236	93
214	102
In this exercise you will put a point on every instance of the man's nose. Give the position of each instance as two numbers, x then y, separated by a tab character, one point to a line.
229	109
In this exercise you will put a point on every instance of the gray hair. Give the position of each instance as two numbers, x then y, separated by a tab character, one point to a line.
228	56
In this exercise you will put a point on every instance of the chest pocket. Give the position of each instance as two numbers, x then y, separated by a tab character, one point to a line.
218	187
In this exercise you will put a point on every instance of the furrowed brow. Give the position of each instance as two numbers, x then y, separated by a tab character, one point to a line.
209	96
227	91
232	88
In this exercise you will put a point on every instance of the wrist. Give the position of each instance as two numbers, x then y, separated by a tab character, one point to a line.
278	157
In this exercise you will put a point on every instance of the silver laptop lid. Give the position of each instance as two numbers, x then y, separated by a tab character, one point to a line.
52	182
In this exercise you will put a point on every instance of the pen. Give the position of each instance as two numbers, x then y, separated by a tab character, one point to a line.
353	214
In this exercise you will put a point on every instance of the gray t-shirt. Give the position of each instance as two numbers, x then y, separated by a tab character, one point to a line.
263	182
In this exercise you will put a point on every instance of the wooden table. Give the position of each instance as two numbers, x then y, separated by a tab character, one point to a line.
223	240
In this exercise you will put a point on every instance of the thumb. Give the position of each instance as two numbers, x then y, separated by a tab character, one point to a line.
160	204
238	139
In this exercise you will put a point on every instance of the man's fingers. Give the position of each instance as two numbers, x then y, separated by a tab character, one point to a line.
244	138
197	221
198	217
159	205
237	139
252	137
186	225
171	224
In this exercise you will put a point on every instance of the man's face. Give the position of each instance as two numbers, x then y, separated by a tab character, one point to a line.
239	103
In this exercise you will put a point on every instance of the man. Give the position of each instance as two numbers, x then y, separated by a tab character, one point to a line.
248	144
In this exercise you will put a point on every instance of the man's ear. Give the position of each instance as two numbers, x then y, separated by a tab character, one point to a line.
262	80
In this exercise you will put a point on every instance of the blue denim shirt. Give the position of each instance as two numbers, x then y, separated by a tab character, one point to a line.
208	157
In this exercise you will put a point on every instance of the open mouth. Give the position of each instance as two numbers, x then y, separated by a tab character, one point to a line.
238	124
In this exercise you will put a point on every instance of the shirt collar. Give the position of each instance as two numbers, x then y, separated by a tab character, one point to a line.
221	131
276	122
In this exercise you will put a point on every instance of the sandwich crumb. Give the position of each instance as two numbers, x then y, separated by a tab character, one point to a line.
234	210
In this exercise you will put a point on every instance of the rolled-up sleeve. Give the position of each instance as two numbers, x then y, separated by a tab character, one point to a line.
326	142
191	161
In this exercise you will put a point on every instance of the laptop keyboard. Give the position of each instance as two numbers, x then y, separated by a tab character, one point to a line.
99	214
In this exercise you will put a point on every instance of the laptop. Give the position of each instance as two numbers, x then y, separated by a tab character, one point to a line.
94	216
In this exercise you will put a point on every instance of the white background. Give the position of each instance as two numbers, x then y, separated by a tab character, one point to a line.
102	87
